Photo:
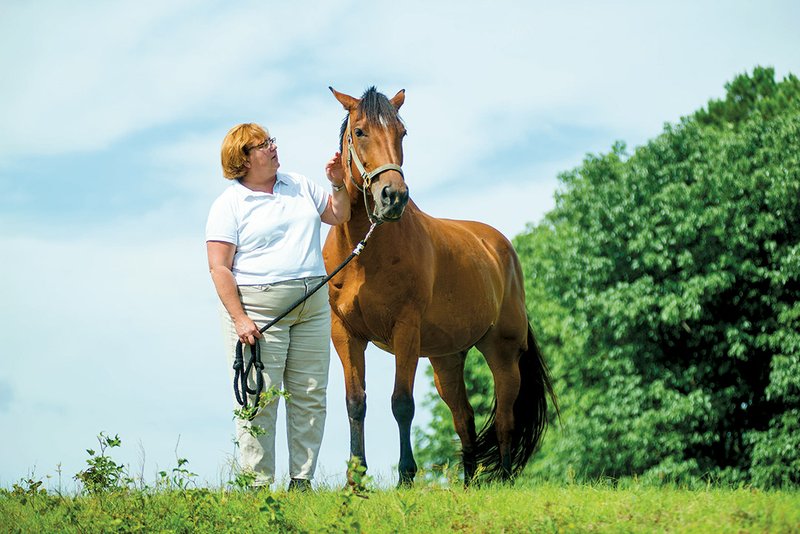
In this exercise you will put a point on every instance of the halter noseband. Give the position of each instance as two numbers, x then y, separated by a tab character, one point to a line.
366	177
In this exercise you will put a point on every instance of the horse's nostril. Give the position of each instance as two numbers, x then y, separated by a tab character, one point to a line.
388	196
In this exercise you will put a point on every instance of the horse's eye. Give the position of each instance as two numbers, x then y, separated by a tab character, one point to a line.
359	132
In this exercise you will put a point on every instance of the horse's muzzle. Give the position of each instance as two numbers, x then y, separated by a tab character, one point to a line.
391	203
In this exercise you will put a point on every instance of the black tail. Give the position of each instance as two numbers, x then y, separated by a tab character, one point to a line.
530	417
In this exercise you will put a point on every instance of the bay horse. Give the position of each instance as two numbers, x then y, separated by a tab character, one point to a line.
433	288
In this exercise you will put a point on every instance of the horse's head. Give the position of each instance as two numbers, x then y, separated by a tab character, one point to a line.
371	140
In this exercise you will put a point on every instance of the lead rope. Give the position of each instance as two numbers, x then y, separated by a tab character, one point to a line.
240	372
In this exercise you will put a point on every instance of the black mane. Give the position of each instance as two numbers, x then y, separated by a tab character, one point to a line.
376	107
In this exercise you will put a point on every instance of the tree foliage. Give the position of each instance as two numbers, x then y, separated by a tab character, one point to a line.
664	291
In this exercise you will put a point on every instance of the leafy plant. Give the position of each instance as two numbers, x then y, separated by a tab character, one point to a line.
272	394
103	474
356	487
357	478
243	480
274	510
29	491
180	477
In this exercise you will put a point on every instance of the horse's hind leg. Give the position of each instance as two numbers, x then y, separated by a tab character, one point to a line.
448	375
502	355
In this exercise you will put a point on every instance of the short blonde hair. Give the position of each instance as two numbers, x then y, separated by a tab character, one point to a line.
234	147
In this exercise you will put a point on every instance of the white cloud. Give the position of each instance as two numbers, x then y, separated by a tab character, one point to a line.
86	76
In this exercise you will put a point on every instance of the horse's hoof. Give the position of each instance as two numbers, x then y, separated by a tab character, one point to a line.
405	482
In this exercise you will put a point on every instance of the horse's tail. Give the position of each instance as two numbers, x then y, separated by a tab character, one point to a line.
530	417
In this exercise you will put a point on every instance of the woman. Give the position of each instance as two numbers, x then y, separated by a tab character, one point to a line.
263	242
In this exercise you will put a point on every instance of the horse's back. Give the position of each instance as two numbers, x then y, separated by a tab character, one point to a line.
480	244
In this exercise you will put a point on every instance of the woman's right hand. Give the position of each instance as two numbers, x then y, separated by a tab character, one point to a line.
247	330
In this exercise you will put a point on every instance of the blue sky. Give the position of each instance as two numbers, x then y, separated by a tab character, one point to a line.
112	115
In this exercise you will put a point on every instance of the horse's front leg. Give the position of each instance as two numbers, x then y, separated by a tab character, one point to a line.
406	349
351	353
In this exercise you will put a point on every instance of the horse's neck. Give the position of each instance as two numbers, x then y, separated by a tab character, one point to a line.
355	229
359	224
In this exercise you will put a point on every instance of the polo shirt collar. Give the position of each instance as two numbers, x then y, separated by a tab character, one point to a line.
246	193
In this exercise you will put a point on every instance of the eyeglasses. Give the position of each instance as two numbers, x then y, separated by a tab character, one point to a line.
268	143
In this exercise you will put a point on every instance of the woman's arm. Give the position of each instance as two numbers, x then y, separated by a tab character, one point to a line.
220	263
338	209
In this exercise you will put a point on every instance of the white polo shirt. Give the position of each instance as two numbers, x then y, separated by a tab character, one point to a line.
277	236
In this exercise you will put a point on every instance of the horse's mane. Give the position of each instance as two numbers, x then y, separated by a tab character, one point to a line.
376	107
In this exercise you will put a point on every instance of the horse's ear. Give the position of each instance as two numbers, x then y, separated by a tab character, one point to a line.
347	101
398	99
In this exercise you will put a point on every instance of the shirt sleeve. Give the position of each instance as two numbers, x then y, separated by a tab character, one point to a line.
221	224
319	195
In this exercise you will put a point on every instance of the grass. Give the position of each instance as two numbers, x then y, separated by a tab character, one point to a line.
424	509
110	500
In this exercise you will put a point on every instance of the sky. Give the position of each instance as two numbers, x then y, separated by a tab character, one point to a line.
111	120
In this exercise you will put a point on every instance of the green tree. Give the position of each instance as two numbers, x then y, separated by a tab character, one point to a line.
664	291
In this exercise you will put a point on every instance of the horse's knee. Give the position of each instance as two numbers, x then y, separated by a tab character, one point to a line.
403	408
357	407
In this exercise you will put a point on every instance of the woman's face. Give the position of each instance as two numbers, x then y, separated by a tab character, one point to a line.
264	157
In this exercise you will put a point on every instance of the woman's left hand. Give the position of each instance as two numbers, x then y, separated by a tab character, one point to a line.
338	209
334	170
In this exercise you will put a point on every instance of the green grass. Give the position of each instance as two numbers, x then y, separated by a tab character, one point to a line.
109	500
425	509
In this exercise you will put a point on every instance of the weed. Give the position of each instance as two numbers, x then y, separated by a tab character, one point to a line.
103	473
267	397
406	507
243	480
28	490
276	515
249	413
181	478
357	480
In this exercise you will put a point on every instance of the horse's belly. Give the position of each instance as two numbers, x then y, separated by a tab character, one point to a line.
457	334
448	325
442	339
383	346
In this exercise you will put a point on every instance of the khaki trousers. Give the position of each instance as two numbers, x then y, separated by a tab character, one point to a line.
296	356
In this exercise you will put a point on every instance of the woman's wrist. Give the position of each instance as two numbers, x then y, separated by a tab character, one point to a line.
337	187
